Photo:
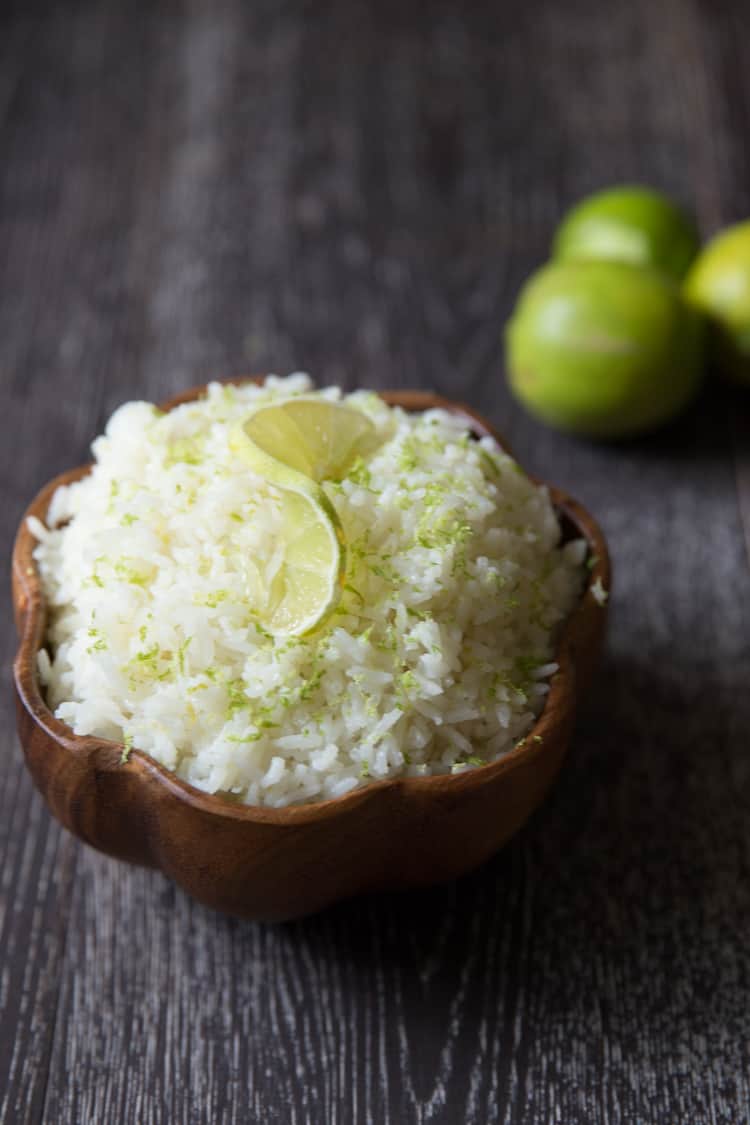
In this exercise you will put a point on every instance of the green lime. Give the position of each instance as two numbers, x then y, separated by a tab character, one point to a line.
628	224
719	285
603	348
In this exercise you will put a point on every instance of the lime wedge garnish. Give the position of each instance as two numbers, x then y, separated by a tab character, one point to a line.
307	586
318	438
294	445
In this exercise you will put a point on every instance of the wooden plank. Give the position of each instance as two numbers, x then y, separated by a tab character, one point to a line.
36	859
741	435
37	863
353	1016
60	244
729	104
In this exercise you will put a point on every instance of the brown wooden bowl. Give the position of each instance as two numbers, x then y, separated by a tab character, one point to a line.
284	863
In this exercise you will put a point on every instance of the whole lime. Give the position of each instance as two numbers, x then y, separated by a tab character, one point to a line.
603	348
719	285
628	224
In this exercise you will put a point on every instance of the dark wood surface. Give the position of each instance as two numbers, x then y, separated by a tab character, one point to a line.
358	188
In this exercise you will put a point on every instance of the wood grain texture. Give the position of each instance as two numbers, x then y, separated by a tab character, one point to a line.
359	188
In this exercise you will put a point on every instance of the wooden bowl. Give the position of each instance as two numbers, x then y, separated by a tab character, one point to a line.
284	863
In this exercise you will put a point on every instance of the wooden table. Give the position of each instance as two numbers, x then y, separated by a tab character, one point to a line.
359	188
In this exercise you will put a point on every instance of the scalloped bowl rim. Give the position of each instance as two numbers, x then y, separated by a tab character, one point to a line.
32	615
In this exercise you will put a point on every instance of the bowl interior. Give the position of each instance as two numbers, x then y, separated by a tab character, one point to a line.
31	616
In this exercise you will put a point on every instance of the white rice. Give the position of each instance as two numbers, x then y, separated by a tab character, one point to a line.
436	660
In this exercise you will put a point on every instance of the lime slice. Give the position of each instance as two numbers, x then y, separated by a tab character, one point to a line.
294	445
317	438
307	585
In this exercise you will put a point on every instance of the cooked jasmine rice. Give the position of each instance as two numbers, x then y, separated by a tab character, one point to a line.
436	660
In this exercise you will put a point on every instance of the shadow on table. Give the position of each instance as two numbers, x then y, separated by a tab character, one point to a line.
698	433
627	892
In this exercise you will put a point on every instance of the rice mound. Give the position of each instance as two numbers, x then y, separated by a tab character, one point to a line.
436	660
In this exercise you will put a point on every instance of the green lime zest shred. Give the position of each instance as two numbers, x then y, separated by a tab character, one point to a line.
489	462
181	655
420	614
236	697
353	590
98	641
359	473
186	451
211	601
407	682
127	746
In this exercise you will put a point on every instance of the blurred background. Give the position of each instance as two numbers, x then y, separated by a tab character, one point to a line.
358	189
